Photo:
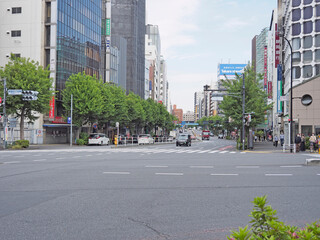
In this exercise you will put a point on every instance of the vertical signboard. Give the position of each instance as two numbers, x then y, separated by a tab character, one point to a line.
270	90
108	22
277	46
279	88
265	67
51	111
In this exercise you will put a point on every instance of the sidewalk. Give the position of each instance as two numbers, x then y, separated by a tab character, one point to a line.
267	147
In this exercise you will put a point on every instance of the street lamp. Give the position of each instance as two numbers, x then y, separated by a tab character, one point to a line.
291	94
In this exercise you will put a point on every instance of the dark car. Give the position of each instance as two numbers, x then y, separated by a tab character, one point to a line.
183	139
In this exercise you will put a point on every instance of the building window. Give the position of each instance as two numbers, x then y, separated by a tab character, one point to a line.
16	55
296	44
317	26
296	72
307	2
307	12
317	67
296	14
317	55
296	3
16	10
307	56
307	27
296	29
16	33
296	57
307	42
317	10
317	41
307	71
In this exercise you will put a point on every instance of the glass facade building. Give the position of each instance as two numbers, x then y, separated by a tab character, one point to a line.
78	40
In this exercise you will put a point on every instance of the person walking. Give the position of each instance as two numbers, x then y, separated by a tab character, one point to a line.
297	141
281	138
275	141
312	141
303	143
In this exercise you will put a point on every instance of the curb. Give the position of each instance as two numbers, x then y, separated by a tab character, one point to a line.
313	162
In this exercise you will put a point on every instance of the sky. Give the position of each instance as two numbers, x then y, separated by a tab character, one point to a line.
196	35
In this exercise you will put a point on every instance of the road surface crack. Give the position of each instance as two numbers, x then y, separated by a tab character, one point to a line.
147	225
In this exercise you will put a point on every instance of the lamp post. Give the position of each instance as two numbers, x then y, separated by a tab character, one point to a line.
291	96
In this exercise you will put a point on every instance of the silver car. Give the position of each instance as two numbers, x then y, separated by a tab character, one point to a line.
98	139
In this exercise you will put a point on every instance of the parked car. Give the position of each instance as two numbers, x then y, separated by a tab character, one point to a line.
183	139
220	136
145	139
98	139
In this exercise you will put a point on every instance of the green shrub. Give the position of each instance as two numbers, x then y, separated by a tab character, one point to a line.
265	226
81	142
84	136
22	143
15	147
228	138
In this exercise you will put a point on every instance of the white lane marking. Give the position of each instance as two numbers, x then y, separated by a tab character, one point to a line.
278	175
170	174
40	160
156	166
119	173
223	152
201	167
232	152
204	151
88	155
76	156
194	151
247	167
224	174
214	151
59	158
243	152
12	162
290	166
318	174
38	155
99	154
18	156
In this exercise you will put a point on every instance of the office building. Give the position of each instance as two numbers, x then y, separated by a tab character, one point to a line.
128	21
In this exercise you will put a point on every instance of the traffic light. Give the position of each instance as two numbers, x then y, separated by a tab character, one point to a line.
29	95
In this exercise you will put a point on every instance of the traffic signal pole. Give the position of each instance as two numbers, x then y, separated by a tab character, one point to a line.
4	113
243	110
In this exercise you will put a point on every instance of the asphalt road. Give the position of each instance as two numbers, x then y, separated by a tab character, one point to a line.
149	192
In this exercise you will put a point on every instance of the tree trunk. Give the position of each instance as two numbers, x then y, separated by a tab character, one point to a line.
22	125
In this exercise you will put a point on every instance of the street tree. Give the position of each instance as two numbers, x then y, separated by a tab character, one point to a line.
26	74
136	112
87	98
255	99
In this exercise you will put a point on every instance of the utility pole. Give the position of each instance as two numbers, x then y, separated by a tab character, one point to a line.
4	113
71	120
243	110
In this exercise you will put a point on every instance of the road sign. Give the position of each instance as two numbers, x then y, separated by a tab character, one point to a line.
95	125
15	92
69	120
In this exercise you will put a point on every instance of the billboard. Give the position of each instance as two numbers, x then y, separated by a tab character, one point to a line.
230	69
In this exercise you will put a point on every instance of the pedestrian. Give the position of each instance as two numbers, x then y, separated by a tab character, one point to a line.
281	138
312	141
264	138
275	141
297	141
303	143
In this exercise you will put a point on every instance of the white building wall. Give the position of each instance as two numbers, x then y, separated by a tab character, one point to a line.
31	24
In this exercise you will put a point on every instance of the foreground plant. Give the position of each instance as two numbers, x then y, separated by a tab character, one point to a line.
265	226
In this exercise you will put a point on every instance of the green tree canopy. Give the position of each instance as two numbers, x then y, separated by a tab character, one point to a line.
255	99
26	74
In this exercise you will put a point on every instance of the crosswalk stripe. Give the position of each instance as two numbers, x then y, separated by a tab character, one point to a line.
214	151
223	152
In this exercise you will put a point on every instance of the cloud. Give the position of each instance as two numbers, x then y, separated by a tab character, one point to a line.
176	21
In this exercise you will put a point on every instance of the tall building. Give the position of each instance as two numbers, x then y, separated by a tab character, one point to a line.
178	113
301	26
128	21
254	53
153	55
188	117
67	34
198	105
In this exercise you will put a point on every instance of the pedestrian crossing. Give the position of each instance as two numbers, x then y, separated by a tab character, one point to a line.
175	151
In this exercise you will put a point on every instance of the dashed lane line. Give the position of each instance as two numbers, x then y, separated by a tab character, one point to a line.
223	152
224	174
170	174
12	162
248	167
278	175
40	160
201	166
156	166
117	173
291	166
